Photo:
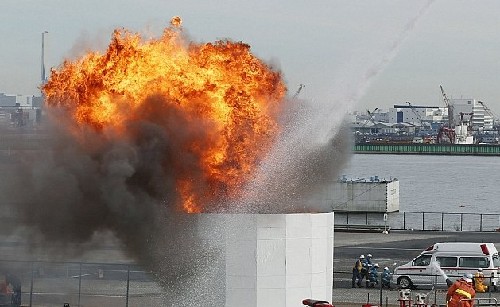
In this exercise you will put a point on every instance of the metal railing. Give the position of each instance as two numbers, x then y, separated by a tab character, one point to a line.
436	221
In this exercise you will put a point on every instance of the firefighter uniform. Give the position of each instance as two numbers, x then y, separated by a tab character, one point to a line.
372	276
461	293
479	285
357	277
386	278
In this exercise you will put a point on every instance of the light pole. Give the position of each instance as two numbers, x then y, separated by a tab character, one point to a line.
43	57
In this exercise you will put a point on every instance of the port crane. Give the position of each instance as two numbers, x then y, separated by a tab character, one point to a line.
370	119
419	117
449	130
370	116
449	106
301	86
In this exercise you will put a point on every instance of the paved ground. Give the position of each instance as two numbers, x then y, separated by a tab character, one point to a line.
396	247
388	250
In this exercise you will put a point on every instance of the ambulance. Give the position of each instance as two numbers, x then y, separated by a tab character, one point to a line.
449	260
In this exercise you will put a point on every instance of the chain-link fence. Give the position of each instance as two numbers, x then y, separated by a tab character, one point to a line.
76	284
118	285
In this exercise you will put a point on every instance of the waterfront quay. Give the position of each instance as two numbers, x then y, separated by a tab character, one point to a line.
429	149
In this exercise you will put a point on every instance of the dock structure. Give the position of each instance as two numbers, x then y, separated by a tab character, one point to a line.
430	149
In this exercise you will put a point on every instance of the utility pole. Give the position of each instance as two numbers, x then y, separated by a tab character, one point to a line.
40	113
44	79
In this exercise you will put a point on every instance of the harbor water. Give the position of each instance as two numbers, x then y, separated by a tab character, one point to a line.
469	184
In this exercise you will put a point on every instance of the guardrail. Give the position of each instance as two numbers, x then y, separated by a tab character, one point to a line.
435	221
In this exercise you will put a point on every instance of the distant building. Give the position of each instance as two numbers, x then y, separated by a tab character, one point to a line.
37	102
416	114
4	119
7	101
469	109
20	110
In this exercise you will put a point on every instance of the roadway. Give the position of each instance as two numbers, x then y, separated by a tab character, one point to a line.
397	246
389	250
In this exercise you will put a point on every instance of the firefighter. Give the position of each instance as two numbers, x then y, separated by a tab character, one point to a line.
14	282
4	291
461	293
386	278
479	285
365	271
357	277
368	259
372	276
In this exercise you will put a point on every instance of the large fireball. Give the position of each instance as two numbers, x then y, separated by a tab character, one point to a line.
218	94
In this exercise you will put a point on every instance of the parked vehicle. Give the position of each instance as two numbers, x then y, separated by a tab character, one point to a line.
449	260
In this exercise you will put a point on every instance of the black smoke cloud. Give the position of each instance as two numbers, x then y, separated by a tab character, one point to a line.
84	181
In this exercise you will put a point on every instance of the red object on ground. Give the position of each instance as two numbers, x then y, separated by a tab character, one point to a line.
316	303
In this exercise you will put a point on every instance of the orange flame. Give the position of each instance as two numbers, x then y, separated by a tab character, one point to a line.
176	21
220	84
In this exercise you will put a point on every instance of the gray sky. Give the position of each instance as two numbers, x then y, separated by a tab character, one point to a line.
327	45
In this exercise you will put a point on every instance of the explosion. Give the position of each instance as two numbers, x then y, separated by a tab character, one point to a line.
216	103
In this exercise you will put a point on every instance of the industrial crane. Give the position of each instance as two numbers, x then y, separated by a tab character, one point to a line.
449	106
371	119
415	112
370	114
301	86
448	131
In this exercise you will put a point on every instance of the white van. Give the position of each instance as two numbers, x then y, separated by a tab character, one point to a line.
449	260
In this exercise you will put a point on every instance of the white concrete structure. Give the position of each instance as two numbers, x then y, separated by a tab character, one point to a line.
276	259
363	195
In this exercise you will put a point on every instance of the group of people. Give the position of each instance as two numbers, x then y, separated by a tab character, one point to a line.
364	268
462	292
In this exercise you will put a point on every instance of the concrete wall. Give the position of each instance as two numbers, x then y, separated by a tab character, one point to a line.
277	259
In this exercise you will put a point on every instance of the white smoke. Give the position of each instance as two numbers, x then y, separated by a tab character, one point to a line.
316	141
